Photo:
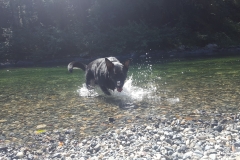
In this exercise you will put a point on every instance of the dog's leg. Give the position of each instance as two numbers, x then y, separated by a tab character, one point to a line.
105	90
89	81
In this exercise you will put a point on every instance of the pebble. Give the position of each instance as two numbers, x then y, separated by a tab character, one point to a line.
213	156
20	155
41	126
3	148
3	120
136	141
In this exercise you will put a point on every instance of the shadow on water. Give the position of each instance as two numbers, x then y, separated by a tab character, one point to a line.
57	100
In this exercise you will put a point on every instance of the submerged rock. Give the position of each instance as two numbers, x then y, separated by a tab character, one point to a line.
41	126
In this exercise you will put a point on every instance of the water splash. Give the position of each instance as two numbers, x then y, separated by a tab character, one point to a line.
85	92
130	91
133	92
142	88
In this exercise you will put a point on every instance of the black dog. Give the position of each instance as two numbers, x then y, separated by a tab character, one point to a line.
108	73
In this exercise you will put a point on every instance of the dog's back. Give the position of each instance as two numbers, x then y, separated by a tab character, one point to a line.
99	66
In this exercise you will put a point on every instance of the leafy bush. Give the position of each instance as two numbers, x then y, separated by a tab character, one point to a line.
134	36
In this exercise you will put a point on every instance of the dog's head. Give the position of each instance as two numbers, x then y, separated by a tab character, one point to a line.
118	72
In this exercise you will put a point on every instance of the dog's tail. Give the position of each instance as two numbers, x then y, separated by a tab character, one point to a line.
76	64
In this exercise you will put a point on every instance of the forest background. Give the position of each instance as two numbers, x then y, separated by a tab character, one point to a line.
46	29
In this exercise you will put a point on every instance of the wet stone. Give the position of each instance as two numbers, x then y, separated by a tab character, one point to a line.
3	148
111	120
41	126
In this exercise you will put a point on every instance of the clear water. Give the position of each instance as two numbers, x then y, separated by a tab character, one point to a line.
178	88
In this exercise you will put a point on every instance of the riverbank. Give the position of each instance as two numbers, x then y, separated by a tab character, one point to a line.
160	138
190	111
181	52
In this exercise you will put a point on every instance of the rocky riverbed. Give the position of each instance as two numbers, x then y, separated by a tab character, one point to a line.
189	111
159	138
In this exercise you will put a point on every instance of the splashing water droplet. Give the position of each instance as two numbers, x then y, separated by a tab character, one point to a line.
129	91
85	92
148	91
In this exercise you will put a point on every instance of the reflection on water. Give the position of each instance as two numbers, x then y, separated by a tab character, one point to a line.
196	89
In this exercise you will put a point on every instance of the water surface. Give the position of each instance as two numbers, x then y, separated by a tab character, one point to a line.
50	96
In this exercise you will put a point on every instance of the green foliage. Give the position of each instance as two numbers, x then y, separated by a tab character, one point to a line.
45	29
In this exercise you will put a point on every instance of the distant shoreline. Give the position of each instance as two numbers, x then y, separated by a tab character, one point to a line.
161	54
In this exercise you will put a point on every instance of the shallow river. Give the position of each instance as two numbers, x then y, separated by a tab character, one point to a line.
41	99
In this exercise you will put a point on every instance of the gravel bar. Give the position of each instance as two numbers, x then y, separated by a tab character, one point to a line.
161	138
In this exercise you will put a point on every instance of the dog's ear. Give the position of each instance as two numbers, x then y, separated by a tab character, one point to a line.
127	62
109	64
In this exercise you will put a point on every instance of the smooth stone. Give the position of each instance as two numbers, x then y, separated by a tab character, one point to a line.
211	140
41	126
202	137
198	153
39	152
198	147
177	137
188	155
213	125
20	155
2	137
175	155
223	121
205	158
174	146
155	147
97	148
187	142
207	147
170	152
168	148
3	148
183	122
237	144
199	143
157	156
234	130
111	120
168	141
223	139
238	128
183	148
164	151
212	151
213	156
218	128
162	138
149	128
186	130
3	120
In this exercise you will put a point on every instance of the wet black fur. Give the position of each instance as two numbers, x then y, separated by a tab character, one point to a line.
105	72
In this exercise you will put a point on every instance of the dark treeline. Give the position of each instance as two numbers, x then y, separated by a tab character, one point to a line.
40	29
